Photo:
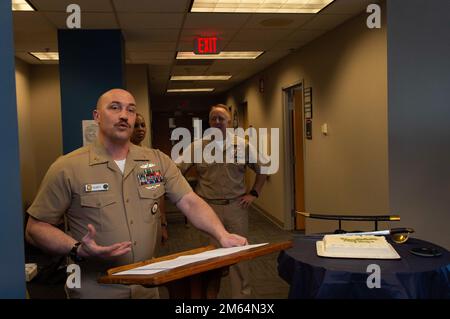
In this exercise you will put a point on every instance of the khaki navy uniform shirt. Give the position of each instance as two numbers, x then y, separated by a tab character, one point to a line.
88	188
222	180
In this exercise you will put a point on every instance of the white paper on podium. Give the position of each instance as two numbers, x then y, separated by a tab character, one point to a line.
184	260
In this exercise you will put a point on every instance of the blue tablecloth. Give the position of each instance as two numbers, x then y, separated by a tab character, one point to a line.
311	276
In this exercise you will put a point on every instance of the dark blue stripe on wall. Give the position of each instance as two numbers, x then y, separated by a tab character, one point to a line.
90	63
12	260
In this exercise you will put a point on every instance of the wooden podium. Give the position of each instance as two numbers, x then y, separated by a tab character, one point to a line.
197	280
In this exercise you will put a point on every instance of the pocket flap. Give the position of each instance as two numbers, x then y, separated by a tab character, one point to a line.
97	201
151	193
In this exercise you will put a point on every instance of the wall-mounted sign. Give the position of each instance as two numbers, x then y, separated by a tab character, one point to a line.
206	45
308	103
308	128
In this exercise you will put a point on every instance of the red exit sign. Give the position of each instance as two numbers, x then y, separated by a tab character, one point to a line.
206	45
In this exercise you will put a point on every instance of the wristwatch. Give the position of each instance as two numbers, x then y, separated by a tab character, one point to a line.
73	254
253	192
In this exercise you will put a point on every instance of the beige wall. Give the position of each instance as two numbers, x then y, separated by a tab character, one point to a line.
137	84
39	116
46	122
346	171
24	115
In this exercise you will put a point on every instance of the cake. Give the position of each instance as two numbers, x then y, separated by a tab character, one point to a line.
356	246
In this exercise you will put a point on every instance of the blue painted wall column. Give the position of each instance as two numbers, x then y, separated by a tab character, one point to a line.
12	260
90	63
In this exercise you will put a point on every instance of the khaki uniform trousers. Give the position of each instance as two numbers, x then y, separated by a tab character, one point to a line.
235	220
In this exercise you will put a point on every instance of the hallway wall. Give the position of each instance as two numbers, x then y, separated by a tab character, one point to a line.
346	171
419	116
26	151
136	81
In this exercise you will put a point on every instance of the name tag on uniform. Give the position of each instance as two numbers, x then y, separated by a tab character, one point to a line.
96	187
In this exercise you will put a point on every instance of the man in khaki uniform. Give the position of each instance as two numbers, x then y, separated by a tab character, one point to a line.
222	185
109	192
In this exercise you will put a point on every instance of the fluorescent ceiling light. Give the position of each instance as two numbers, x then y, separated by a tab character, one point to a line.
21	5
46	56
190	90
200	77
260	6
241	55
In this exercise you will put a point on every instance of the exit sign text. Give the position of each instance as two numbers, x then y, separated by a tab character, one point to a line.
206	45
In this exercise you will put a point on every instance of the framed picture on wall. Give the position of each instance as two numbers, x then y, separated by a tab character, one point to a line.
90	131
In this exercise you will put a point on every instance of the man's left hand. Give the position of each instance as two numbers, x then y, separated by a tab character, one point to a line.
246	200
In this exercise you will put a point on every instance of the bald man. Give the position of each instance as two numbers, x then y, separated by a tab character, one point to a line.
109	193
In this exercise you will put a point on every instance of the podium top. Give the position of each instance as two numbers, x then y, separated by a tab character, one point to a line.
166	276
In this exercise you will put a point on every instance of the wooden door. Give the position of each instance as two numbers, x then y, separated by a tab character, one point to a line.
299	182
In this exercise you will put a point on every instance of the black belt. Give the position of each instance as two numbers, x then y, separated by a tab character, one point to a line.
221	201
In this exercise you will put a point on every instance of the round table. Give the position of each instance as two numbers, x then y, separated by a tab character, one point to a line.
311	276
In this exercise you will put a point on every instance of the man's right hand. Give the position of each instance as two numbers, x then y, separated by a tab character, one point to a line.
89	247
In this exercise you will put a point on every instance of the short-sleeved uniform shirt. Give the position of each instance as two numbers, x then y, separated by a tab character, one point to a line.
224	180
88	187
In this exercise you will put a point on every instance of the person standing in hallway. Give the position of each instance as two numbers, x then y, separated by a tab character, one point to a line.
139	133
109	193
222	185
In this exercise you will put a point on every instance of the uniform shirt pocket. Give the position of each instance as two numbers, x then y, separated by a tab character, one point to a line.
104	208
150	202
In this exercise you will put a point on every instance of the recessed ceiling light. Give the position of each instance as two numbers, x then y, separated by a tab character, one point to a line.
241	55
260	6
190	90
46	56
200	77
21	5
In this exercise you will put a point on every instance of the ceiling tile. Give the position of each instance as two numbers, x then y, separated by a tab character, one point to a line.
151	6
149	55
151	35
61	5
97	20
286	45
303	36
150	20
249	46
208	21
283	21
256	35
150	46
227	66
29	21
189	69
35	45
325	21
31	36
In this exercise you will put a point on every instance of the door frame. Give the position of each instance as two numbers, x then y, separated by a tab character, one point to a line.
289	172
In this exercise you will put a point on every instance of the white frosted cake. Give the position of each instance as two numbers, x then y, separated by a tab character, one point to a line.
356	246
